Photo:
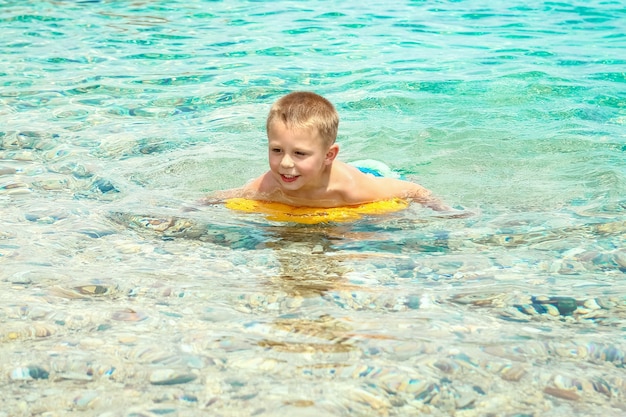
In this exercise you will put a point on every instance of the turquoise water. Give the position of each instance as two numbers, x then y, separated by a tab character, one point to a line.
117	300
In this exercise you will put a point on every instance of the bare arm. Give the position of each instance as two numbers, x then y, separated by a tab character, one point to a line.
218	197
247	191
424	197
391	188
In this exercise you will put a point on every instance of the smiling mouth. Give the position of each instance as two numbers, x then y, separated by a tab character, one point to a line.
288	178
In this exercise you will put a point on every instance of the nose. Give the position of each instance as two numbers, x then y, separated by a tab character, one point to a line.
286	162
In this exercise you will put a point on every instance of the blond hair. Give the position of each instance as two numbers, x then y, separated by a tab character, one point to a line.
302	109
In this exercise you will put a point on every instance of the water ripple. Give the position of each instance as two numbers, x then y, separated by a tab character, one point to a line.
117	115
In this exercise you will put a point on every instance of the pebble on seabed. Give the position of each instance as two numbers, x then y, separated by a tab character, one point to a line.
171	377
565	394
29	372
128	315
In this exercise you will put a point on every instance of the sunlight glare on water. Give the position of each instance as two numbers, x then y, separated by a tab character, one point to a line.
120	297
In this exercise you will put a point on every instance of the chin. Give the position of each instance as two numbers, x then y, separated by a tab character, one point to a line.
289	187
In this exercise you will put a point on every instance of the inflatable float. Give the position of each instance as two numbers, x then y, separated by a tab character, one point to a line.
313	215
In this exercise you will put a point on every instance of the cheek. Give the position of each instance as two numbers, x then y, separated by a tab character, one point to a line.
310	166
273	159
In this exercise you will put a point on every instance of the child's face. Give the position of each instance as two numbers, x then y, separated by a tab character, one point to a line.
298	158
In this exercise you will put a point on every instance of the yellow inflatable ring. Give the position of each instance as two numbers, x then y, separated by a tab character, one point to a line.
313	215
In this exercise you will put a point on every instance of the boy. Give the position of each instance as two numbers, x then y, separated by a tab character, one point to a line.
304	169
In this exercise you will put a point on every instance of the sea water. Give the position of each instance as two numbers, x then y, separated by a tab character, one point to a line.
120	296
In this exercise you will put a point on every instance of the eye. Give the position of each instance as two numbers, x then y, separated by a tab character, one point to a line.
275	150
300	153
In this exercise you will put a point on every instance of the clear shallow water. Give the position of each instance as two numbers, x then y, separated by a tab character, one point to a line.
115	301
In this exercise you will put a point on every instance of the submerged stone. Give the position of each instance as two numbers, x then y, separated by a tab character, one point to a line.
413	302
565	305
171	377
37	372
104	186
29	372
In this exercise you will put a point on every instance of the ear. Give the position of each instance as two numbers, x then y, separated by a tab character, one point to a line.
331	154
